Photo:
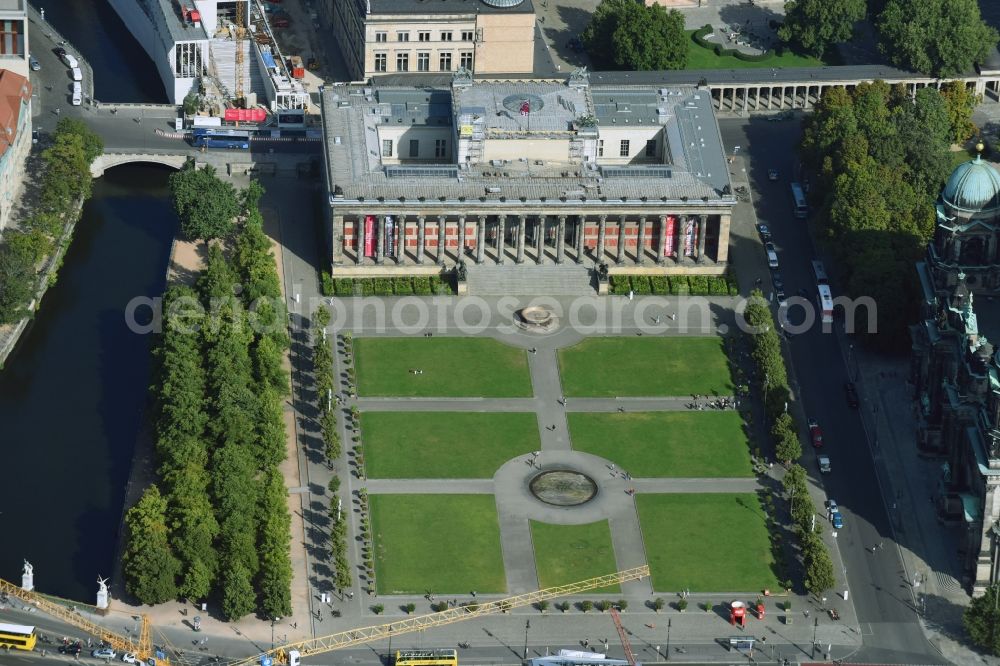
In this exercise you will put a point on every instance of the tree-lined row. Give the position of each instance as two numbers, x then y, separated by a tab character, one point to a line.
63	181
882	159
221	526
770	367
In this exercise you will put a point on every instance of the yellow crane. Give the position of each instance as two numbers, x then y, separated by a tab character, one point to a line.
141	646
239	36
352	637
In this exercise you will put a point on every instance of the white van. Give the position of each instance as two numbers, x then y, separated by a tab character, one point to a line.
772	255
77	93
70	61
77	74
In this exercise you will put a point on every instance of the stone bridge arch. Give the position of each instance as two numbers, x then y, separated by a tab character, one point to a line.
109	160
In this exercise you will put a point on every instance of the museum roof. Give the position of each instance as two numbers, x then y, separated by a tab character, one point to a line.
694	168
450	7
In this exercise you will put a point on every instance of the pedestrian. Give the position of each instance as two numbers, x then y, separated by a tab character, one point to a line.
295	625
58	110
673	316
533	350
631	295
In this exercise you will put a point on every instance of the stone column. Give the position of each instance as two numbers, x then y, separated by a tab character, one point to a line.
379	239
401	239
640	245
722	256
601	228
421	230
581	227
441	239
702	225
522	223
359	234
540	240
461	237
561	239
338	240
481	239
501	238
621	241
661	241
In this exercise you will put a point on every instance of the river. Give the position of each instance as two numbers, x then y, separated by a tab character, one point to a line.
73	392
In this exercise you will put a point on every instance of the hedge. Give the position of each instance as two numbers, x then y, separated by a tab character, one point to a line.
326	284
383	286
640	284
699	38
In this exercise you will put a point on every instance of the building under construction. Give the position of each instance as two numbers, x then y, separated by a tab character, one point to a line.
227	43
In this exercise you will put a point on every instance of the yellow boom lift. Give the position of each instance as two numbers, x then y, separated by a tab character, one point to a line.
291	653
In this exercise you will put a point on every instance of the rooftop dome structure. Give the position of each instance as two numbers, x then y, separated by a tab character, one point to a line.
973	187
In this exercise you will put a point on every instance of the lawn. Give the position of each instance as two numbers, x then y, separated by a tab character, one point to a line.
451	367
570	553
706	542
444	445
668	444
448	544
645	366
701	58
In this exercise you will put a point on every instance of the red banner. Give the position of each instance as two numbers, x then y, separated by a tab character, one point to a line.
255	115
671	230
369	235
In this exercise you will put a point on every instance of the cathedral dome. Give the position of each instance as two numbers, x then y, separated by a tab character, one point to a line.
973	186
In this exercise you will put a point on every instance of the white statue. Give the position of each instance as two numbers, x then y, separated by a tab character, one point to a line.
102	594
28	577
103	585
28	569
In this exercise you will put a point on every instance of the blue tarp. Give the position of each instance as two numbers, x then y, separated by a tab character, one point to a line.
268	59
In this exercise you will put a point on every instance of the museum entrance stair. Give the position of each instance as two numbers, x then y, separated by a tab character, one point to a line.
531	280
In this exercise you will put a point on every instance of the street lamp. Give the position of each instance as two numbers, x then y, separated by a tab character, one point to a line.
527	626
815	626
668	641
388	661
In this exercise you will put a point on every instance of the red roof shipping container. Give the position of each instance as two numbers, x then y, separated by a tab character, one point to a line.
255	115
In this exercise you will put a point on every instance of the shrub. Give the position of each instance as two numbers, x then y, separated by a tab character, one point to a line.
717	49
603	605
659	284
586	605
679	285
378	608
682	604
409	608
640	284
402	285
659	603
326	284
753	57
618	284
364	287
698	284
562	606
622	604
422	286
700	34
343	287
542	605
382	286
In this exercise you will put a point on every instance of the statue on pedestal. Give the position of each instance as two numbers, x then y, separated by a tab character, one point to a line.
28	577
102	593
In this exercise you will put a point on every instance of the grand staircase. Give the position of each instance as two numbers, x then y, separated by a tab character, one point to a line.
531	280
223	54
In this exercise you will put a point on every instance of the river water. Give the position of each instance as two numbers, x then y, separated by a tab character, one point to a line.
73	392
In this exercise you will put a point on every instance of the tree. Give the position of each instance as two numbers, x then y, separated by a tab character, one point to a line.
250	196
149	566
191	102
982	620
937	37
786	441
275	577
623	34
816	25
205	205
67	173
17	282
818	565
238	598
960	102
93	145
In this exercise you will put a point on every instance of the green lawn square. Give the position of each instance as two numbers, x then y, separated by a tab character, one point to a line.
667	444
444	445
569	553
448	544
607	367
706	542
701	58
452	367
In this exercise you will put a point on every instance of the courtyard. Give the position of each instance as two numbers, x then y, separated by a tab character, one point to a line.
451	457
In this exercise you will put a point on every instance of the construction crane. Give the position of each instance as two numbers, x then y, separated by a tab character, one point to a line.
626	643
352	637
239	35
141	646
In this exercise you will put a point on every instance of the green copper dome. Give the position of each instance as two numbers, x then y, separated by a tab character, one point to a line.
974	186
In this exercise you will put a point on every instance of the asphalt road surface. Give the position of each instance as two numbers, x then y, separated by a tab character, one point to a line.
878	585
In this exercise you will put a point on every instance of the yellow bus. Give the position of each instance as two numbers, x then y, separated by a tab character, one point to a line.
17	636
426	658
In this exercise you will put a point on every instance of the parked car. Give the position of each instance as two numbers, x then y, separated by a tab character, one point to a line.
70	60
837	519
772	174
104	653
33	63
831	506
71	648
772	255
782	299
765	232
130	658
34	136
851	393
815	434
59	51
76	73
824	464
777	280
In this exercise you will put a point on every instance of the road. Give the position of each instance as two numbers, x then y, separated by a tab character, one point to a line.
878	583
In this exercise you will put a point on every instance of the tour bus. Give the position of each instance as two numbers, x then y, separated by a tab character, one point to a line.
799	205
819	271
17	636
426	658
205	137
825	303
